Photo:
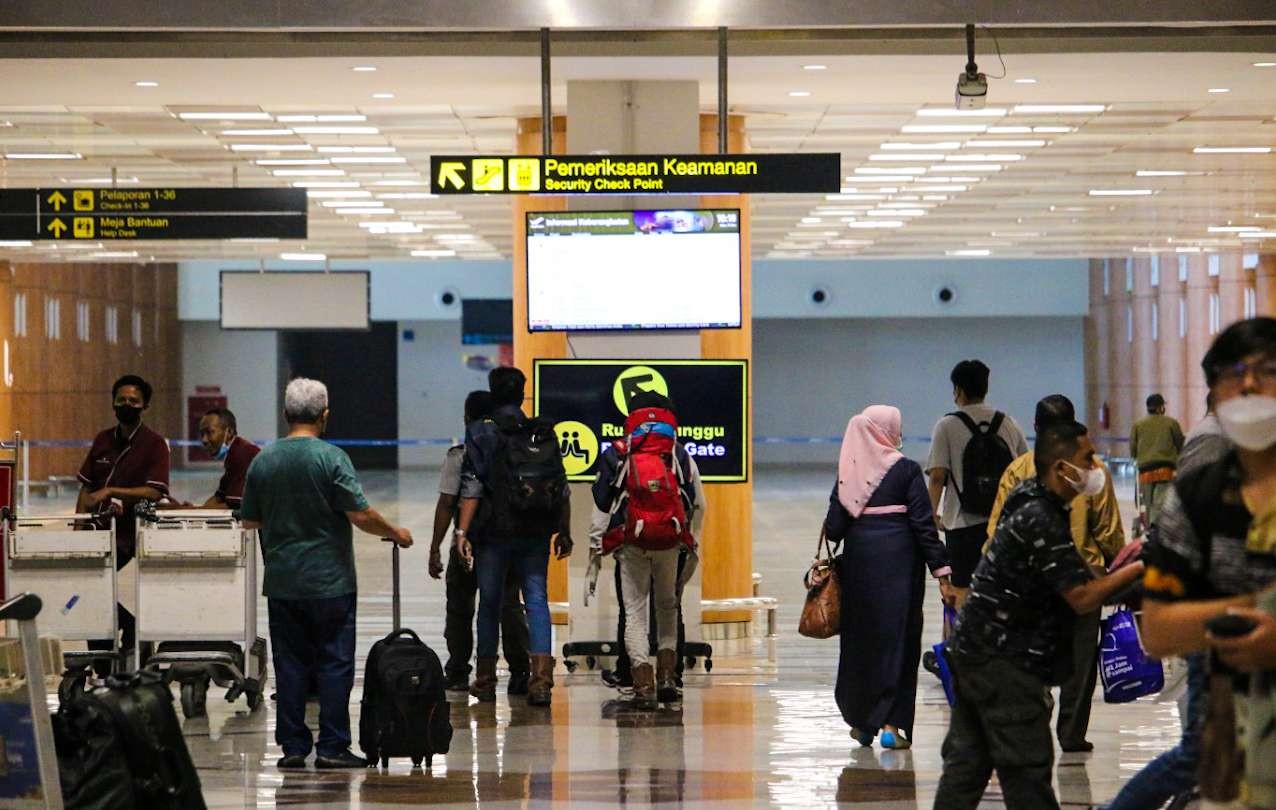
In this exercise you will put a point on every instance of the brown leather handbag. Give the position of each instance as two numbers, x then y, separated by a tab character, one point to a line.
1222	763
822	613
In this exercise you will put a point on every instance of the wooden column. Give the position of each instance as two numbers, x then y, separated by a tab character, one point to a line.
1097	339
1233	281
1120	352
1200	287
1146	380
1170	356
529	346
1265	284
726	560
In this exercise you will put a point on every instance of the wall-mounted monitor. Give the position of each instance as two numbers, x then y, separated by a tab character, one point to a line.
610	270
295	300
485	321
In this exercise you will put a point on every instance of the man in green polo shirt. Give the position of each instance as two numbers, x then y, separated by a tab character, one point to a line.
304	496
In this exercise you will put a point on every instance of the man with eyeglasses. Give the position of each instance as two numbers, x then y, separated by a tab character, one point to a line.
1213	549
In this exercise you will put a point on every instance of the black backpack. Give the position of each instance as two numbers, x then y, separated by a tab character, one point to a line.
120	747
527	479
404	711
983	462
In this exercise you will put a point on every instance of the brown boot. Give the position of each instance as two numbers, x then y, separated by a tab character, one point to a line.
644	687
484	686
539	691
667	690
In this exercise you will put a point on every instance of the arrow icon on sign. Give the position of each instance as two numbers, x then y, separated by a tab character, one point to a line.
57	199
452	171
57	227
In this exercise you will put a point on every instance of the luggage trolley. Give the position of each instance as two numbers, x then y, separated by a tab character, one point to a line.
197	596
69	562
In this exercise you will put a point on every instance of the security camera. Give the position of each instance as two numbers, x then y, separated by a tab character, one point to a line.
447	298
945	295
820	297
972	86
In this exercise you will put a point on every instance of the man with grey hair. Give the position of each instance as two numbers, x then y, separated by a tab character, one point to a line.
303	494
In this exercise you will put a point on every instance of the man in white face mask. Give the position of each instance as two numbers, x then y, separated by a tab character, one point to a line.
1213	549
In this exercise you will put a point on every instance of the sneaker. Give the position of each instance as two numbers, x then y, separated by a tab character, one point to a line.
518	683
343	760
291	761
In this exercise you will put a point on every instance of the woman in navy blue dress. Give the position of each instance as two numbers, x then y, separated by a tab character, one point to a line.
880	511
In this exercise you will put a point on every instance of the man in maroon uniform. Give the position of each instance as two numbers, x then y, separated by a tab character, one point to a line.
127	464
219	434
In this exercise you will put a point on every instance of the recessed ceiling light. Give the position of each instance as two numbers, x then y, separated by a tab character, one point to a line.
1217	90
336	130
271	147
932	128
43	156
815	67
799	93
1121	192
433	253
969	252
811	220
364	69
1025	80
904	146
1232	150
146	84
292	161
253	133
321	118
1163	173
383	95
302	257
1049	109
243	115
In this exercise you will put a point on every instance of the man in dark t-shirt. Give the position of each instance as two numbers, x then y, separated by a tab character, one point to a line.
126	465
219	433
1013	635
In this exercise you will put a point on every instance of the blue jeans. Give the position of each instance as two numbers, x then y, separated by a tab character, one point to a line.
528	559
1174	771
313	640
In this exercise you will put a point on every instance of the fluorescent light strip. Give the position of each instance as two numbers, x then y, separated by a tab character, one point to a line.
433	253
1121	192
354	150
293	162
1232	150
325	184
1234	228
360	159
43	156
908	156
303	257
877	171
981	158
308	172
1165	173
1005	144
408	195
968	167
255	133
364	211
884	223
1258	235
976	252
320	194
401	183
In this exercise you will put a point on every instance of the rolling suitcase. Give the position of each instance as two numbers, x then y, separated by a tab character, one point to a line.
404	710
121	746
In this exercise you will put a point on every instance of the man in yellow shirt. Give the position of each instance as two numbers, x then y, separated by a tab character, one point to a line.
1099	536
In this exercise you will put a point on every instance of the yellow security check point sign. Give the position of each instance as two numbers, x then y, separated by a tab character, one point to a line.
797	173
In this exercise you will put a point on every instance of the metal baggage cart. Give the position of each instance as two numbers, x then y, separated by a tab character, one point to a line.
29	776
197	597
69	562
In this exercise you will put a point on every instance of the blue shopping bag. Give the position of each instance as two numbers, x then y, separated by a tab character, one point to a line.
1127	672
942	669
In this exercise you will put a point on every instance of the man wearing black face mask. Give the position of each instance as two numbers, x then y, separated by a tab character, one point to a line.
127	464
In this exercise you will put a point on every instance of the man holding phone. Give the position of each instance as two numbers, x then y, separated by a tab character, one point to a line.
1212	552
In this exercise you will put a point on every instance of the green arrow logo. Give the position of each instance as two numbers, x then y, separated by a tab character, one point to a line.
451	171
57	227
57	199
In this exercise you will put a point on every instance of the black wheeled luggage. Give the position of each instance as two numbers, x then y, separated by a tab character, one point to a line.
120	747
404	711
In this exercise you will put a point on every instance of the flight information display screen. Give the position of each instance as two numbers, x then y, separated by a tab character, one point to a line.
613	270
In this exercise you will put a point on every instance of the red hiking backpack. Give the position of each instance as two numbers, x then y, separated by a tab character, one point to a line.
650	479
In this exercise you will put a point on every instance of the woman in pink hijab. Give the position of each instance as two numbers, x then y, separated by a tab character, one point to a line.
880	511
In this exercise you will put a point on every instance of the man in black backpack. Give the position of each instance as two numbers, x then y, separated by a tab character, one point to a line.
514	495
969	451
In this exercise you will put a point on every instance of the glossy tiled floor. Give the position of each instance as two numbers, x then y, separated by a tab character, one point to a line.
761	730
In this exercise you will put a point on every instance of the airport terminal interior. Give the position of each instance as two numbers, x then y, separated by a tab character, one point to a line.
776	215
